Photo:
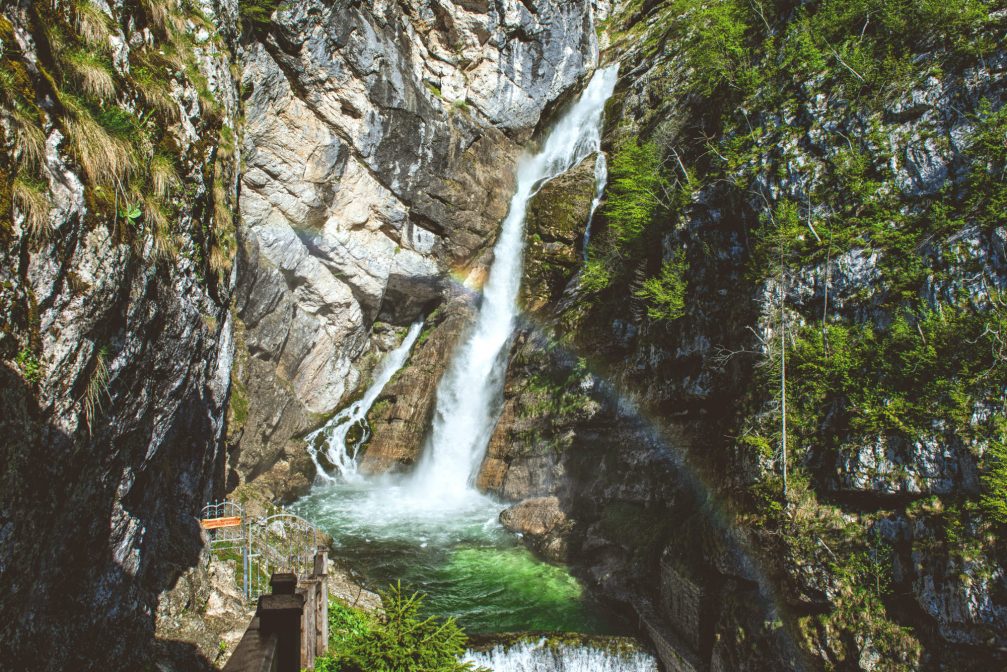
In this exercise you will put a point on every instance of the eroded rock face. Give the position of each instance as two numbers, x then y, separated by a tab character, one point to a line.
206	608
556	219
401	416
939	464
114	442
379	150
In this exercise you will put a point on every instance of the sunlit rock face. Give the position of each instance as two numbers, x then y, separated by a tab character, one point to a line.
379	152
114	442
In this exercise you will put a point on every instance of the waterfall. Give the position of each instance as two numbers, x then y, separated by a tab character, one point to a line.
330	439
469	393
546	656
600	180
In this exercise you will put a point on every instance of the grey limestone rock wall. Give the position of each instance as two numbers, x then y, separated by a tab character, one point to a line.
380	147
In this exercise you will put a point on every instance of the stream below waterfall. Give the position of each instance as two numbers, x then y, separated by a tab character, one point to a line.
431	529
466	563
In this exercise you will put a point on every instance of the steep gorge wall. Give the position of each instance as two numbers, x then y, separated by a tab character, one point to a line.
118	172
643	434
379	160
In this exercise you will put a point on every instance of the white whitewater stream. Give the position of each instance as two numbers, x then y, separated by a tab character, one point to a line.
330	439
546	656
469	393
600	181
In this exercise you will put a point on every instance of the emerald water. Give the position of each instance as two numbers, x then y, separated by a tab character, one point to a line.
459	556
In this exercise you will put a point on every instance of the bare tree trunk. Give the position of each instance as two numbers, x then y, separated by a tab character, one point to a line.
825	308
783	367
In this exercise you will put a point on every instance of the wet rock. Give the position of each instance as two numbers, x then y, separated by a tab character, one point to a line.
555	222
379	151
542	524
402	413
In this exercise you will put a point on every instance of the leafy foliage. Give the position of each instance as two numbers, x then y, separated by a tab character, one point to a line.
898	378
665	294
403	640
30	367
257	15
634	190
595	276
993	501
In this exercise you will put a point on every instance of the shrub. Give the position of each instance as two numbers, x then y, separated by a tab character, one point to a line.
595	276
634	191
994	480
257	15
665	294
401	641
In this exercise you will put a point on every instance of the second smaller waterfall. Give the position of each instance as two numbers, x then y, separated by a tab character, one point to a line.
330	440
600	182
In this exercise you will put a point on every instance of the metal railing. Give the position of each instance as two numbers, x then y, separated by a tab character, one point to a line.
281	542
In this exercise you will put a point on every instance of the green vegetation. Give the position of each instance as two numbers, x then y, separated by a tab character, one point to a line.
786	133
864	580
31	197
30	367
595	275
634	191
665	294
898	378
637	192
239	403
117	123
401	640
257	15
993	501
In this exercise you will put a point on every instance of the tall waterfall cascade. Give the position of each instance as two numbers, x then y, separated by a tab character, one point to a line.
469	393
330	440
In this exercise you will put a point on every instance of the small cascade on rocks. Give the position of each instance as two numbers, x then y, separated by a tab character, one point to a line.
469	393
600	181
330	441
547	656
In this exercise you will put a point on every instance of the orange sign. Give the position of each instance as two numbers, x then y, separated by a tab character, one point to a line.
214	523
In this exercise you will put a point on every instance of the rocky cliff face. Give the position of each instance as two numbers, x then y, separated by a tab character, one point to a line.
815	183
379	151
646	401
118	182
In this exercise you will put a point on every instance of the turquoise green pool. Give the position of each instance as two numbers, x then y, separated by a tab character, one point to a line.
459	556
